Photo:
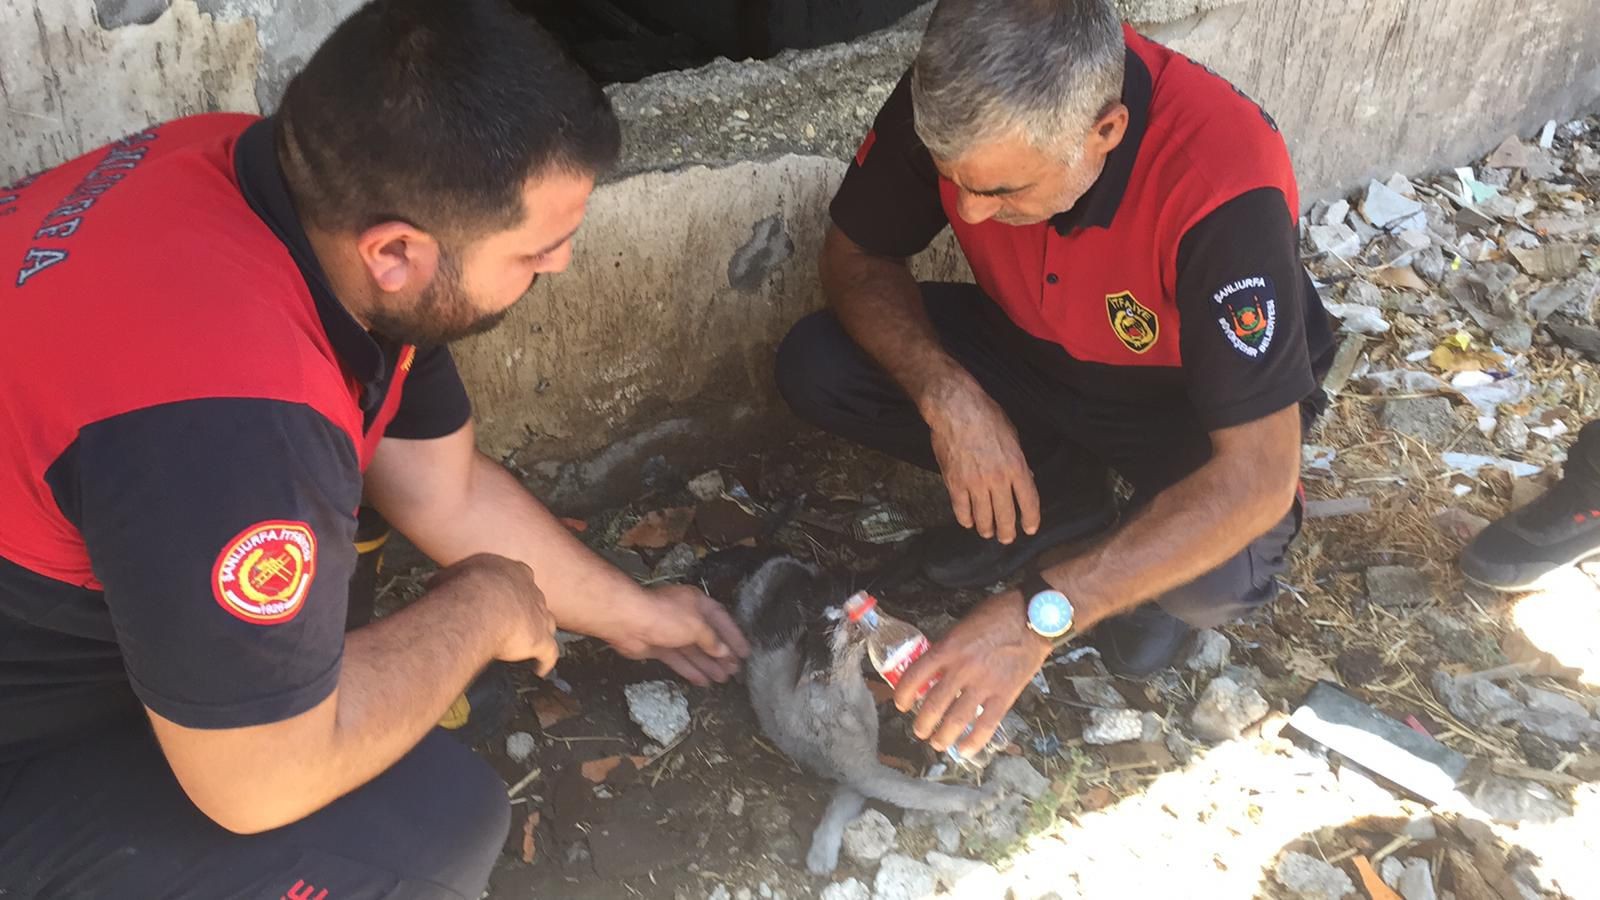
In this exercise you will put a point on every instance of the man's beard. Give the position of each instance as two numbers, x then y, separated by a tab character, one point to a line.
444	313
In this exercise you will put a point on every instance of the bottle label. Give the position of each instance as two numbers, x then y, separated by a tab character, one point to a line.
901	659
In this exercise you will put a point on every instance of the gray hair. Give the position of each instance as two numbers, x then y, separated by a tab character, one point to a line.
1042	70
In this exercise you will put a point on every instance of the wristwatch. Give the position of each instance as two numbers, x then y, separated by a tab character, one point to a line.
1049	612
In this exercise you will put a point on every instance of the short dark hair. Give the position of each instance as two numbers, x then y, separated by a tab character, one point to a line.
436	113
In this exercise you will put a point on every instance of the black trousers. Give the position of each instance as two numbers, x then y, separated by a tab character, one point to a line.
107	818
1070	439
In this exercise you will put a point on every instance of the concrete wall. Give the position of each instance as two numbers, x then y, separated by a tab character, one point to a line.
700	251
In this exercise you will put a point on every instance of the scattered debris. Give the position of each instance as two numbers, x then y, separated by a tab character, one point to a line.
677	563
1113	726
707	486
848	889
1414	761
1428	419
1211	652
1514	800
1099	691
1416	880
1311	879
530	847
659	708
658	529
1225	709
520	746
1336	508
869	837
903	878
1017	775
598	770
966	878
1370	882
1398	586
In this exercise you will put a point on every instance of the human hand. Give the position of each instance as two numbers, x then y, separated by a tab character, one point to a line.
981	461
681	626
984	662
528	631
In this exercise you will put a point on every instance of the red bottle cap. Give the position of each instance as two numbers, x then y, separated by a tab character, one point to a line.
859	604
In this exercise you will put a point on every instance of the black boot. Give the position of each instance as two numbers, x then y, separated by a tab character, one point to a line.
956	557
1138	643
1559	529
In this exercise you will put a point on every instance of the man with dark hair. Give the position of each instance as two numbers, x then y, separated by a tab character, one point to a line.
1140	306
225	334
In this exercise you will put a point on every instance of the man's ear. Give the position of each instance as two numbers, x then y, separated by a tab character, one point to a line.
398	256
1108	130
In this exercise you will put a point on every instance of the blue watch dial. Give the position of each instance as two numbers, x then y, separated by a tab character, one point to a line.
1050	613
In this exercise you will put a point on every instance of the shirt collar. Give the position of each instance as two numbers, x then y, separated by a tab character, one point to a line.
1098	207
262	183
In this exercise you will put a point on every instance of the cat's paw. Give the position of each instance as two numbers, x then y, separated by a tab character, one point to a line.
822	860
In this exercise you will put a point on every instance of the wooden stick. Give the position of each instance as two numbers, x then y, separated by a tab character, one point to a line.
527	779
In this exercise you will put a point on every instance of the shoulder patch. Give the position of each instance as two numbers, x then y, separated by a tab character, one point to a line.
1135	324
263	574
1247	313
866	147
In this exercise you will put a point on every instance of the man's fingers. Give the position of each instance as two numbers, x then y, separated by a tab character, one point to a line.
956	720
676	661
961	504
722	623
547	656
982	729
1027	503
934	706
982	512
1005	514
919	674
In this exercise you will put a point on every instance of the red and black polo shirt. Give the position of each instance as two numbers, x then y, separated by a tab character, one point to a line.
1174	284
185	414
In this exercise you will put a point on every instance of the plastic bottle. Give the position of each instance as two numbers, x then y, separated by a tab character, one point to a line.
892	646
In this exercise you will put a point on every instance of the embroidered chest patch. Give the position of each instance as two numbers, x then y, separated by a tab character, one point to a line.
1134	324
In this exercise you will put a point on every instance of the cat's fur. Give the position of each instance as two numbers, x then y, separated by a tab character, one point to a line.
806	684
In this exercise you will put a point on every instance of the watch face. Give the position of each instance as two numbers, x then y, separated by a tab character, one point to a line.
1050	613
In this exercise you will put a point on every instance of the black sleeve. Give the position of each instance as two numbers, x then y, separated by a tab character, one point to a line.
889	201
1243	306
222	531
433	401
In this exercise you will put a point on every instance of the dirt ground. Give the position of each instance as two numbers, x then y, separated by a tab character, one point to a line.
1373	602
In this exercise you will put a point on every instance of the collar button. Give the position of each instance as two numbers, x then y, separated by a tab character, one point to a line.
1052	278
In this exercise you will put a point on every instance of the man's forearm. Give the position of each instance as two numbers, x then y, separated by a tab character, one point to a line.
1184	532
496	514
880	306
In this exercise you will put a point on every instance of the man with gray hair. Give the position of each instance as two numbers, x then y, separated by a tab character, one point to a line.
1140	306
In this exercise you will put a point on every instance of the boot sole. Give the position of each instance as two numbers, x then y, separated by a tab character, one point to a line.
1537	581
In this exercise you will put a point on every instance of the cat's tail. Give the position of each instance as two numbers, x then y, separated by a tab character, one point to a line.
879	782
842	810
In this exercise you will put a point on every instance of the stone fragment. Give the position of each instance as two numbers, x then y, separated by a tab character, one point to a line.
947	834
1391	869
1574	297
1309	878
1549	261
1398	586
736	805
1337	239
1511	435
903	878
1211	652
1416	881
1470	219
659	708
720	892
966	878
1389	210
1336	213
520	746
1099	691
1151	727
1580	338
707	486
848	889
1513	800
1514	335
1567	730
869	837
1113	726
678	562
1428	419
1460	524
1475	700
1017	775
1540	700
1362	292
1511	154
1225	709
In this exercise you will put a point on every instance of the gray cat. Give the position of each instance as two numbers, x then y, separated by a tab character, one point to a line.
806	684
